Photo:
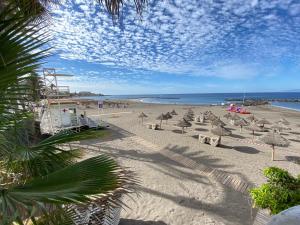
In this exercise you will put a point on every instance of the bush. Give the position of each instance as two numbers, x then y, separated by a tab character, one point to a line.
281	192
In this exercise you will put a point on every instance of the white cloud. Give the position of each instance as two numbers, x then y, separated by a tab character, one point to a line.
181	37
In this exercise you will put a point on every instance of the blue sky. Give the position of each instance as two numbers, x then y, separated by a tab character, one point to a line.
179	46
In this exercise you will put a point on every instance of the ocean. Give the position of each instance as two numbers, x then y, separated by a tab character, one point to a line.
209	98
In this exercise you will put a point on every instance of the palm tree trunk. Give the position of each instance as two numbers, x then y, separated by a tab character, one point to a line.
160	124
273	152
241	129
253	135
182	129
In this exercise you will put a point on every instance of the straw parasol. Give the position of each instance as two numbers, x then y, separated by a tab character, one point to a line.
217	122
174	113
227	116
212	117
274	139
253	127
251	118
161	117
235	117
284	121
220	131
241	122
263	121
142	116
168	116
183	123
280	126
188	117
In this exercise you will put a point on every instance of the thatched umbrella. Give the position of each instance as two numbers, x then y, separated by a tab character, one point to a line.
280	126
228	116
190	111
217	122
212	117
142	116
253	127
274	139
168	116
174	113
284	121
235	117
263	121
251	118
241	122
183	123
188	117
220	131
161	117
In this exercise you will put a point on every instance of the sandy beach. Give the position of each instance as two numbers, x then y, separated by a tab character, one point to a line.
174	192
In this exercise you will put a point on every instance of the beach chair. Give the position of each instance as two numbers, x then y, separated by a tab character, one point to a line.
214	141
203	139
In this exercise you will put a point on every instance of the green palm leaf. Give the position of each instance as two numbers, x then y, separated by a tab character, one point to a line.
76	183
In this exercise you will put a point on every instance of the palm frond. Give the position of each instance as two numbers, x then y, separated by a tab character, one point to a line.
78	183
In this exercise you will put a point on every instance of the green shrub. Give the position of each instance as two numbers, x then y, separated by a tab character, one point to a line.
281	192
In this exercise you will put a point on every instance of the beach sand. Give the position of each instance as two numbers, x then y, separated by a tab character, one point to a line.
172	192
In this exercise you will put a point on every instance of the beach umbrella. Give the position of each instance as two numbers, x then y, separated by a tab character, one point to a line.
174	113
274	139
217	122
220	131
228	116
251	118
142	116
212	117
241	122
235	117
188	117
283	121
263	121
253	127
161	117
168	116
190	111
183	123
280	127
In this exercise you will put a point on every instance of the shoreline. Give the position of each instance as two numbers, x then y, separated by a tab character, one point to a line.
283	107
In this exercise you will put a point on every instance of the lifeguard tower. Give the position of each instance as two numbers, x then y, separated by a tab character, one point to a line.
59	111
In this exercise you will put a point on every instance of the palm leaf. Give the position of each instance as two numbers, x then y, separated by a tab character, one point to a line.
78	183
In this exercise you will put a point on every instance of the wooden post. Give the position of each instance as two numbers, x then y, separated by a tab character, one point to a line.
273	152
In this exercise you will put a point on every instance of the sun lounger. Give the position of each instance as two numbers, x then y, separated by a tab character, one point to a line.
152	126
213	141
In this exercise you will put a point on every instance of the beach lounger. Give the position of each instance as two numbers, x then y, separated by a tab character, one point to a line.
152	126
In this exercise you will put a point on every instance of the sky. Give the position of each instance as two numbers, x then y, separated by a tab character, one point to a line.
178	46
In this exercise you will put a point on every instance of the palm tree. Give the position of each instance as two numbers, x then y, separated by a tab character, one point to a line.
39	178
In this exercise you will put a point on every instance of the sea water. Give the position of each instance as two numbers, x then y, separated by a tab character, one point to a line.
210	98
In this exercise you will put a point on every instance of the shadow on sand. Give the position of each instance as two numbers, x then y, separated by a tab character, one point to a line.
246	149
230	202
140	222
